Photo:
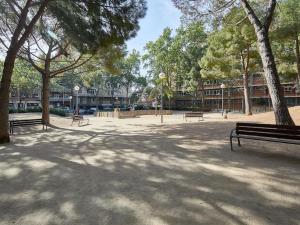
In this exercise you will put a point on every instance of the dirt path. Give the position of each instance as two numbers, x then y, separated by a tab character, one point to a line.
138	172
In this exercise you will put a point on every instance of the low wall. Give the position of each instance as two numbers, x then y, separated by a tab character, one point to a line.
132	114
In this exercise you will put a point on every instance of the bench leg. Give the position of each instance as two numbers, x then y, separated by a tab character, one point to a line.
239	142
231	147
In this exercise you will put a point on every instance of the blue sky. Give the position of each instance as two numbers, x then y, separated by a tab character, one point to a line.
160	14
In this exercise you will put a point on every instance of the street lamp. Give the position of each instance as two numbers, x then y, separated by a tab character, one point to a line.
76	88
222	87
70	98
162	76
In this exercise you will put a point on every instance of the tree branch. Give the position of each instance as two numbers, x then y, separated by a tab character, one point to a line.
29	28
70	67
270	13
251	15
31	61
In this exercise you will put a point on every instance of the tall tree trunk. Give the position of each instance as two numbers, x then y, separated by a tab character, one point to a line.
202	95
127	94
45	98
8	68
297	51
17	40
282	115
248	110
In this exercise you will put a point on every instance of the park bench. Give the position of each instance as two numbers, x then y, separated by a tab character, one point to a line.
79	119
199	115
266	132
29	122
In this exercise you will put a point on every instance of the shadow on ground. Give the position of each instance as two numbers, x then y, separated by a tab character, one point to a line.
176	174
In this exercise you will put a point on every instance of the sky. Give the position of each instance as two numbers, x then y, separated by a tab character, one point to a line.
160	14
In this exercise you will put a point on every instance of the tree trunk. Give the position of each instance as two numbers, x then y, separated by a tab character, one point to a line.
127	94
203	95
297	51
282	115
45	98
8	68
17	40
248	110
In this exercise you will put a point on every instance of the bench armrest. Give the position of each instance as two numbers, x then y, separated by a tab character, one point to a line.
233	132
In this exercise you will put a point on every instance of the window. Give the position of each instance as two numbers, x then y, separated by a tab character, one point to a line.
288	88
212	92
91	91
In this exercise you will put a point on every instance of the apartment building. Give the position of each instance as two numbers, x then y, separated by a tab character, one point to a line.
233	97
87	97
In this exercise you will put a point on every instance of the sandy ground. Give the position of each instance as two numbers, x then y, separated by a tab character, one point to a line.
139	172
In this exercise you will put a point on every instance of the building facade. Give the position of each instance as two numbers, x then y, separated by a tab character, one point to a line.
233	95
209	96
87	98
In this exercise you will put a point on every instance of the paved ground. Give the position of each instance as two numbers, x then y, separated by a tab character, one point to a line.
137	172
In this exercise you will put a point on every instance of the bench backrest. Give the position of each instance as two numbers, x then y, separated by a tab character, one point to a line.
77	117
26	122
268	130
194	113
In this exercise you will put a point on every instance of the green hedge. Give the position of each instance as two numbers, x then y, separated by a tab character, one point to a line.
37	109
59	112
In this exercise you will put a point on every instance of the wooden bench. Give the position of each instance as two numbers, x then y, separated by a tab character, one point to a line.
21	123
193	114
266	132
80	120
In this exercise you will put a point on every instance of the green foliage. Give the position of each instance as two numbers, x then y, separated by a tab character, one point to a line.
177	56
29	110
90	24
25	79
230	49
130	70
58	112
286	33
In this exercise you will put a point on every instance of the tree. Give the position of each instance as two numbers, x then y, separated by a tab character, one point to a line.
261	26
159	57
88	25
232	53
190	45
49	51
286	37
130	70
25	79
17	19
177	56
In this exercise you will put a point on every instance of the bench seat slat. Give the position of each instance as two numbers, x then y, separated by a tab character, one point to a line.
285	141
270	135
21	124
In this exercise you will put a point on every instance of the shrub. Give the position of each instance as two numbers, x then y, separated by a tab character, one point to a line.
58	112
35	109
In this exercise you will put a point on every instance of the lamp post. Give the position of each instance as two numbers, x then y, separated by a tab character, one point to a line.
76	88
70	98
162	76
222	87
